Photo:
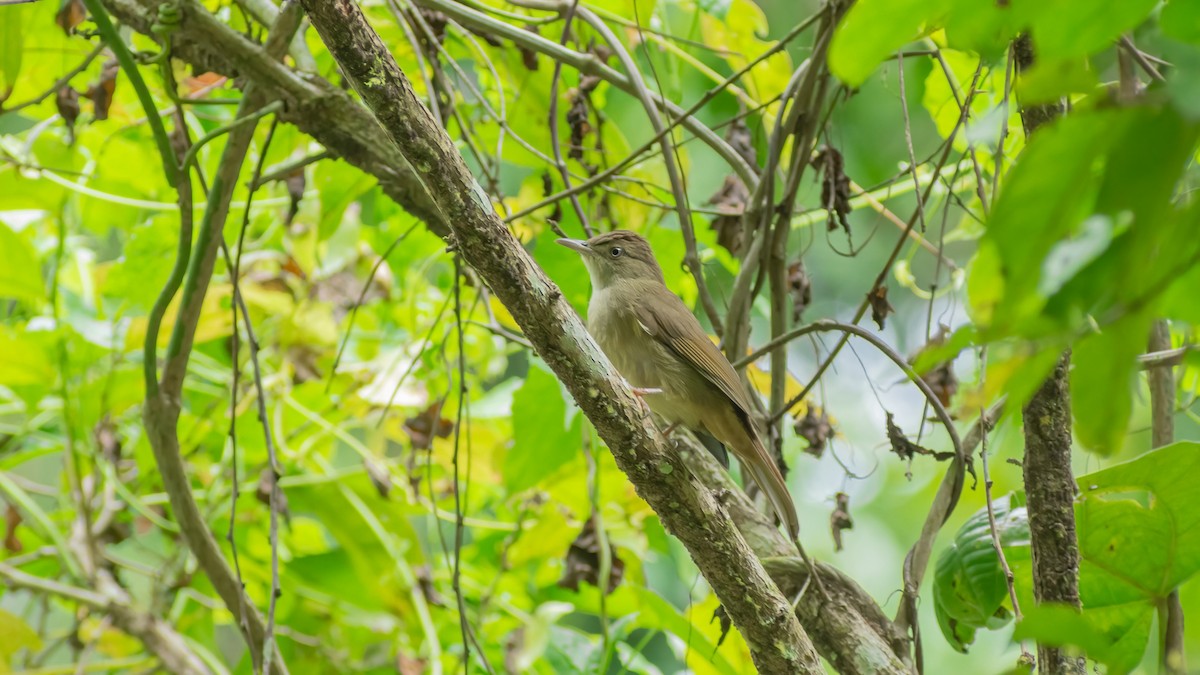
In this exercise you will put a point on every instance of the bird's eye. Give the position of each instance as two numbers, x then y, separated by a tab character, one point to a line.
616	252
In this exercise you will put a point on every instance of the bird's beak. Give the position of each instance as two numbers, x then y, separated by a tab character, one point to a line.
578	245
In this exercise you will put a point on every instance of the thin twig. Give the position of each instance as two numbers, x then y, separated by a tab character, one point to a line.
1162	432
908	142
555	143
362	294
887	266
987	493
288	168
59	83
1140	58
691	258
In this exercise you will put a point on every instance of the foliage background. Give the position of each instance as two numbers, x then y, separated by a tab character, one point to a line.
373	570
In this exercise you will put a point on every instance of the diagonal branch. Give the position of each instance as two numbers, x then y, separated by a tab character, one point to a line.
766	620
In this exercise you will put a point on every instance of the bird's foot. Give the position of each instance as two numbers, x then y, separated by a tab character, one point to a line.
640	393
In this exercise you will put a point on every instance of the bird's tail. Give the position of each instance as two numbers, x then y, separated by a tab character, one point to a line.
763	470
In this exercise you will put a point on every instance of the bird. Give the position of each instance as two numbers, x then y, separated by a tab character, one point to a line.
658	346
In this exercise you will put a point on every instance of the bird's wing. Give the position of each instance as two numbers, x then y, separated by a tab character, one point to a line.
676	328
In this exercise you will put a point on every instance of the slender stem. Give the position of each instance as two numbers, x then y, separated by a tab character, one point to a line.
189	159
555	143
1162	432
987	492
670	161
676	121
589	64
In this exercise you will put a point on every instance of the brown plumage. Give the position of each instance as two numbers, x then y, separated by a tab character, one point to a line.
657	344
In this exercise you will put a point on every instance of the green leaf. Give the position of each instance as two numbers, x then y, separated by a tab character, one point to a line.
1070	28
1139	525
1089	202
1044	199
17	636
873	29
543	439
1102	377
985	28
969	588
37	365
12	48
1050	80
20	274
1180	19
1114	638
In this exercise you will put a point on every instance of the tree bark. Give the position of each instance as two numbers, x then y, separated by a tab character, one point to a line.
1049	482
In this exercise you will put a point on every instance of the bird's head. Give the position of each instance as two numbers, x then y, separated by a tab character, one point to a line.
615	256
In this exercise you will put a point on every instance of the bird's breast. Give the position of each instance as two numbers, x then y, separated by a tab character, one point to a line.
645	362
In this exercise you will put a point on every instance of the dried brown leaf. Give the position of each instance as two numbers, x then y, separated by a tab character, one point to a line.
296	182
12	520
835	187
107	440
905	448
266	480
380	477
880	307
730	200
940	377
840	519
583	561
409	665
577	120
70	14
740	139
800	288
427	425
425	581
101	91
814	428
528	56
194	84
66	100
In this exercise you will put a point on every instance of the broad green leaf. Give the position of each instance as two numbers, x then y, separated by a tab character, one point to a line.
939	97
1051	79
1090	201
543	439
1044	199
537	638
1139	525
17	635
737	33
12	48
1115	637
986	28
1102	379
20	273
1070	28
37	364
873	29
1180	19
969	589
